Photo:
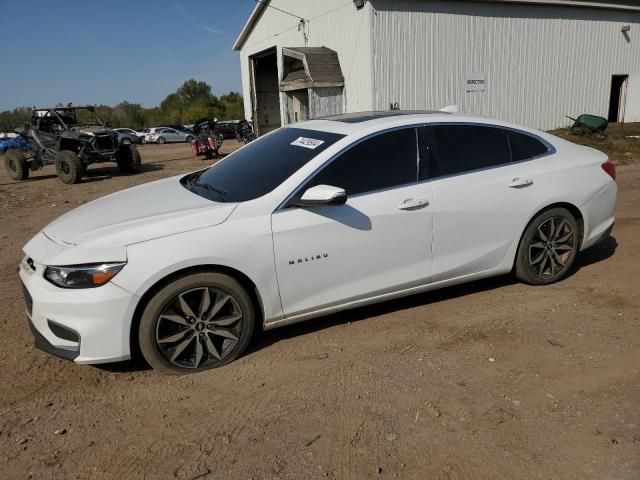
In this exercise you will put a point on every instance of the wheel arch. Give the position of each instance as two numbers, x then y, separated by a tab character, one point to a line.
242	278
573	209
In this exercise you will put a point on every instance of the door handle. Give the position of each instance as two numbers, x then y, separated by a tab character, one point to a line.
413	203
520	182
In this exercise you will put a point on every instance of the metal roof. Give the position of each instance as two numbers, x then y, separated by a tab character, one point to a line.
632	5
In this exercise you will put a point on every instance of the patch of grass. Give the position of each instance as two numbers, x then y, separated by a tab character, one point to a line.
615	142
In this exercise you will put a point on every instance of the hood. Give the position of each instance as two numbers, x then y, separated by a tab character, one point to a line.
138	214
93	130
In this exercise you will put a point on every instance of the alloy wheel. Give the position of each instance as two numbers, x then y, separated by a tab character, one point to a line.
552	247
199	327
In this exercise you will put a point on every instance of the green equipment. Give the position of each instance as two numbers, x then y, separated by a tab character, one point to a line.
588	124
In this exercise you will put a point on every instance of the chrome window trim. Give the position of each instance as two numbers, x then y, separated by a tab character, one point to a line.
551	150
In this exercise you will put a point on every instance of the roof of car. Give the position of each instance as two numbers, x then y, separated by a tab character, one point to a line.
369	122
360	117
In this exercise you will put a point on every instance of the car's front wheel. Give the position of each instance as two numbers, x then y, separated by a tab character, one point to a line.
548	247
195	323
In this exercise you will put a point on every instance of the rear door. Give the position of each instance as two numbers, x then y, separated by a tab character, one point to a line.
377	243
486	184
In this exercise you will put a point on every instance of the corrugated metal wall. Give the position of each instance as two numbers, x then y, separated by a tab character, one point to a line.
335	24
540	62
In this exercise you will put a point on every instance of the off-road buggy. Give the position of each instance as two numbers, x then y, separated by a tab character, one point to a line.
72	138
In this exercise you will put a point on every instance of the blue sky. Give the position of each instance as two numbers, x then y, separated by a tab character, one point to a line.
107	51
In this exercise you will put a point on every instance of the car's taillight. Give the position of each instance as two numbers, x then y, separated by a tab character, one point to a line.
610	168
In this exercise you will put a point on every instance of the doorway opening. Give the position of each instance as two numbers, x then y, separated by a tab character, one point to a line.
265	92
297	106
618	99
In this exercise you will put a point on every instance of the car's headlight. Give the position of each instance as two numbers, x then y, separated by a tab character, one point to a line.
83	276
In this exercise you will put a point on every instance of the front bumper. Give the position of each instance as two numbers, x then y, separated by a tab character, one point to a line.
99	317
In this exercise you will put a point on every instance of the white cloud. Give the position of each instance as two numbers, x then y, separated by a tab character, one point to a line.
211	30
180	9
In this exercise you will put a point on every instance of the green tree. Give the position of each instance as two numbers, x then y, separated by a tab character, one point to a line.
190	102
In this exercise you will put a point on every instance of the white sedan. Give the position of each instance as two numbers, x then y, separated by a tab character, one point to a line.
310	219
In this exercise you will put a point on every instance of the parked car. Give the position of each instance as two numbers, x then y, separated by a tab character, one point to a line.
72	138
227	129
168	135
16	143
346	211
126	136
177	126
142	134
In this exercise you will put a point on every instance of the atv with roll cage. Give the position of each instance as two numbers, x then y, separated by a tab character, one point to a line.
72	138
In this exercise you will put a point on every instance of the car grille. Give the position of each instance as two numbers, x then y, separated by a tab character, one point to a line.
27	299
104	142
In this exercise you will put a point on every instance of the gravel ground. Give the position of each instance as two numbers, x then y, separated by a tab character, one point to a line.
492	379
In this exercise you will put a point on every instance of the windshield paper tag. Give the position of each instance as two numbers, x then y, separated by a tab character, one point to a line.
311	143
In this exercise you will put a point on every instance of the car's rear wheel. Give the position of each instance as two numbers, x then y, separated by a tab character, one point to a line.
548	247
195	323
125	141
16	165
161	140
69	167
128	159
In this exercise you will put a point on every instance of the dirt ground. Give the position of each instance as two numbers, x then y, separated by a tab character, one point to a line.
491	380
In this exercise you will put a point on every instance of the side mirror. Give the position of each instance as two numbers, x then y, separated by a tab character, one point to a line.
322	195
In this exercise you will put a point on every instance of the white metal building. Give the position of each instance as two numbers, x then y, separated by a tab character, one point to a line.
526	61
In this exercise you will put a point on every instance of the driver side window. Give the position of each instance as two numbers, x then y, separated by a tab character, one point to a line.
385	161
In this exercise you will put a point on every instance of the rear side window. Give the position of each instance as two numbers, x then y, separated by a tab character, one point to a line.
462	148
384	161
525	146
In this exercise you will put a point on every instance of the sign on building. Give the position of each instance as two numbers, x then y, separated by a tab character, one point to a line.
475	82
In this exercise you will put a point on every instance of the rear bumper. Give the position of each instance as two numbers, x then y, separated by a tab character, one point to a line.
598	216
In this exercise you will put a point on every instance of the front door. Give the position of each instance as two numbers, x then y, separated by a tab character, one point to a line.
377	243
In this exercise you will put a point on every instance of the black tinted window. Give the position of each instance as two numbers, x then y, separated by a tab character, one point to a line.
461	148
384	161
525	146
260	166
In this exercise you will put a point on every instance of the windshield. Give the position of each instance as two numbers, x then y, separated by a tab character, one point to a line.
260	166
78	116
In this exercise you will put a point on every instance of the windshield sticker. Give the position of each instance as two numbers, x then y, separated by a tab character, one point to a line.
310	143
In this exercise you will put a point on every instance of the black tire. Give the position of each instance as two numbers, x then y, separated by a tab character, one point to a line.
548	247
125	141
161	140
16	165
189	139
128	159
167	329
69	167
